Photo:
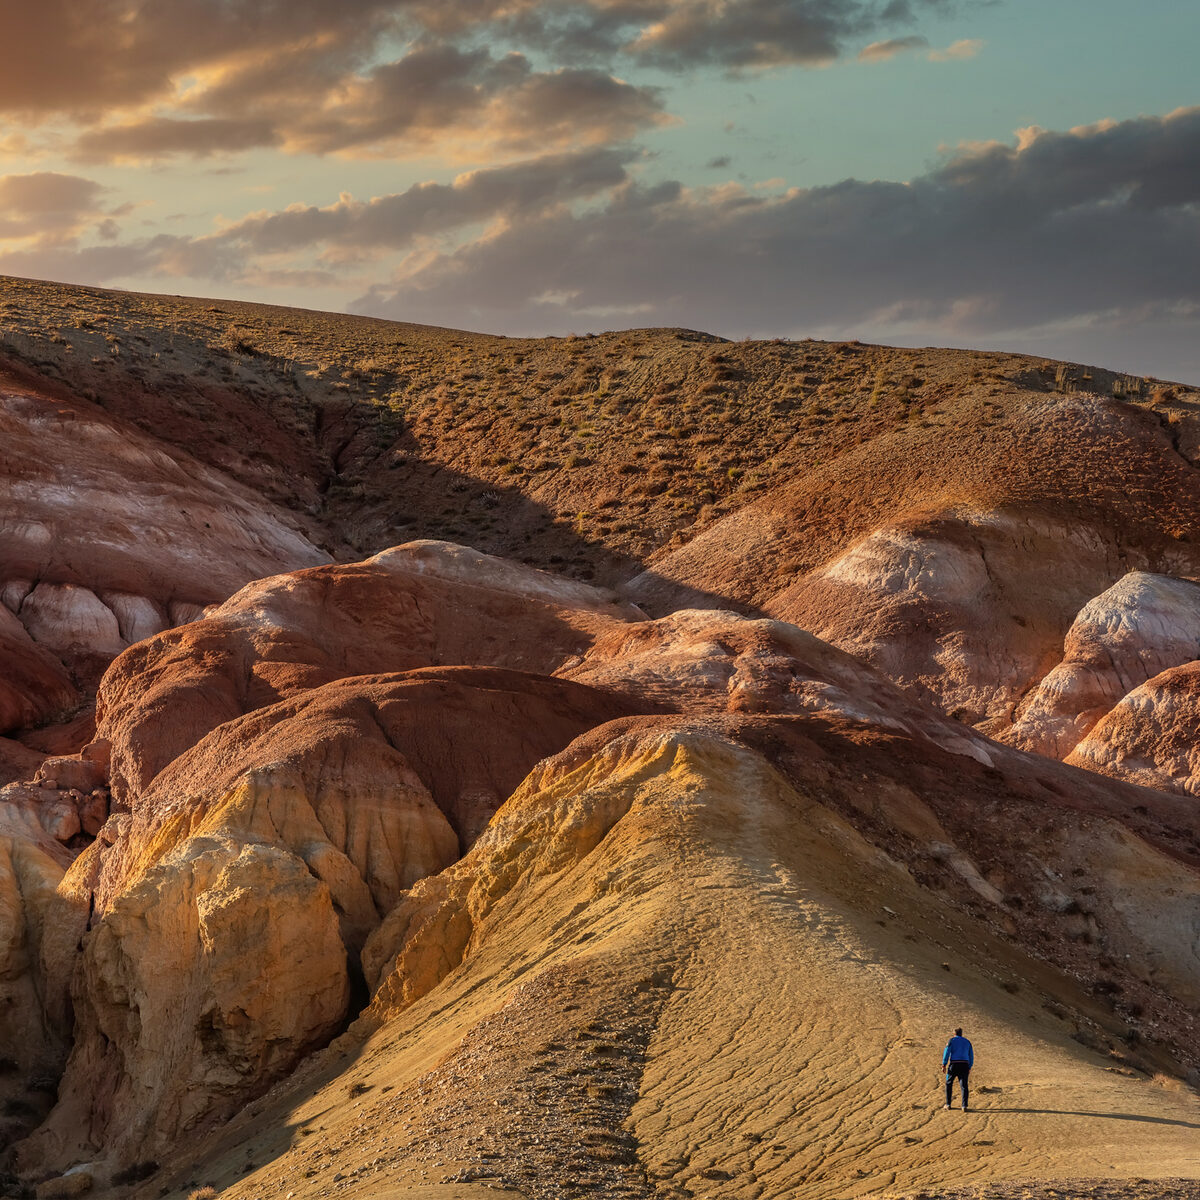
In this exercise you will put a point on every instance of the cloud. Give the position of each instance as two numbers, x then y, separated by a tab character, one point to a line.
148	78
394	222
162	136
439	98
963	48
47	205
305	246
63	57
1091	227
441	94
752	34
881	51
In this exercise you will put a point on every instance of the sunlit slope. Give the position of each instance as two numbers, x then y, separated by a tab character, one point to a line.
667	971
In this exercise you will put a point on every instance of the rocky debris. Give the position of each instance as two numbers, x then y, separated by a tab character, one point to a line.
66	1187
1141	626
63	813
17	761
560	1063
73	772
1064	1189
1150	736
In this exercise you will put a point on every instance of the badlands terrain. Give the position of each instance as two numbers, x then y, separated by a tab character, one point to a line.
445	766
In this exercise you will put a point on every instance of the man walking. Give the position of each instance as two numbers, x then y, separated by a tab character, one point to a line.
957	1060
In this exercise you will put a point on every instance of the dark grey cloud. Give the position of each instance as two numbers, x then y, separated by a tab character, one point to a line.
428	209
460	102
1097	228
440	92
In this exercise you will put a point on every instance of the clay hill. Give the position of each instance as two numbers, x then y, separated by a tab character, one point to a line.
444	766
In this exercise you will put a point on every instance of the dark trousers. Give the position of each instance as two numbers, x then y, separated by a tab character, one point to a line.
959	1071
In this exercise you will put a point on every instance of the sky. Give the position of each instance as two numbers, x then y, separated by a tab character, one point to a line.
1007	174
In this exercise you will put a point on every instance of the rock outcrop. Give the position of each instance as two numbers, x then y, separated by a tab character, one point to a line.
141	537
36	957
206	981
1152	736
951	558
1143	625
418	605
34	685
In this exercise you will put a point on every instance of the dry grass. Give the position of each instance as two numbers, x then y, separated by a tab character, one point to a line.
382	432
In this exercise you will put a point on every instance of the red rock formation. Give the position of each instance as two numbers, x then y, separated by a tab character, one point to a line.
34	685
109	536
423	604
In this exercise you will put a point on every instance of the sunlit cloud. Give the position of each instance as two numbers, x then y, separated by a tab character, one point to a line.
882	51
964	48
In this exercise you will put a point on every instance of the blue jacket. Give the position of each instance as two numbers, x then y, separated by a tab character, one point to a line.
958	1049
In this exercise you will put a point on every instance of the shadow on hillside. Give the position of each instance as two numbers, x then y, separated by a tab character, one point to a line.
1070	1112
406	494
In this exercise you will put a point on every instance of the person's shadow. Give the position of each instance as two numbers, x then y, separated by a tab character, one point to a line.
1063	1112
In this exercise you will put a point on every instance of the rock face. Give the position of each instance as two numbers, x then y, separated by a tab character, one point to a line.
210	977
1151	736
36	957
1141	626
34	685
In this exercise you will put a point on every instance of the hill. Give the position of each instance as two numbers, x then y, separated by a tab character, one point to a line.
444	763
